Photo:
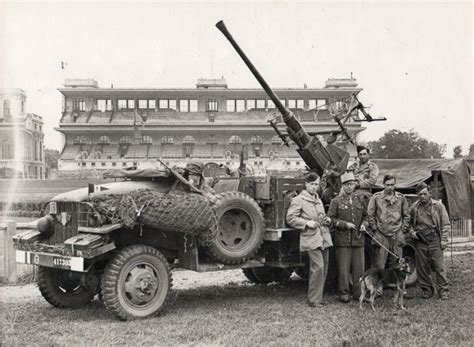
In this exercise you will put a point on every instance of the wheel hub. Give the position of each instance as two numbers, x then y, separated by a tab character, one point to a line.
141	285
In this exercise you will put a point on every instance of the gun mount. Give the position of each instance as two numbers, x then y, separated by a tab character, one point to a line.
316	156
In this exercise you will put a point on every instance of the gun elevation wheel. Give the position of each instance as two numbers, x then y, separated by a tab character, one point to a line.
62	288
241	228
136	282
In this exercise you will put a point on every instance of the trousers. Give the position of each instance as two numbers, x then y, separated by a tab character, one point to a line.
349	260
318	269
430	257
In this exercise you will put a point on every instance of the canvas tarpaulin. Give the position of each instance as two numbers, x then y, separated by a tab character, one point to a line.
454	174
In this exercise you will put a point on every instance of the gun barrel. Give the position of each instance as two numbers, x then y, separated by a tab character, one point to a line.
284	111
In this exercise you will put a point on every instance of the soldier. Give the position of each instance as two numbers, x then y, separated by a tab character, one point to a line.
430	226
306	213
193	173
349	219
389	218
365	172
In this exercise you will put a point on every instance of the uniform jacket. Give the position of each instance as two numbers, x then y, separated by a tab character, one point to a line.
343	209
304	208
388	214
439	216
366	174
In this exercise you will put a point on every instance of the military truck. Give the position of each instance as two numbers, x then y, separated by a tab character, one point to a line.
82	251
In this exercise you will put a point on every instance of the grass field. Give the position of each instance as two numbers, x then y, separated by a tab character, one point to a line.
232	311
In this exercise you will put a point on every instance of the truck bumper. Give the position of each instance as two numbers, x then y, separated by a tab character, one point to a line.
51	260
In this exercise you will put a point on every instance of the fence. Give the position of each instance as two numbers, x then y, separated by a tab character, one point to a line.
461	231
10	269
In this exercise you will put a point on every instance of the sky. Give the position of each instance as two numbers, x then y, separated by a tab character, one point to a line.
412	59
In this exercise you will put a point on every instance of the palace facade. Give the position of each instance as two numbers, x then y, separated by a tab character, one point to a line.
106	128
21	138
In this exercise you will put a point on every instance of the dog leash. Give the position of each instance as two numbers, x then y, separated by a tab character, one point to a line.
378	242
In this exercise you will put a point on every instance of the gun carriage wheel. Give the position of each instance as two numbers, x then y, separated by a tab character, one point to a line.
241	228
63	288
136	283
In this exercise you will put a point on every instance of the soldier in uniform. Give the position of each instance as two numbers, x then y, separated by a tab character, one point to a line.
349	221
193	172
389	218
430	227
306	213
365	172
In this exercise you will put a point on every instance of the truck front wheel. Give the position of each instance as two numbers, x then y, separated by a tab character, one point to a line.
62	288
136	283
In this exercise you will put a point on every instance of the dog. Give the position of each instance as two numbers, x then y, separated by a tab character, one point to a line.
371	278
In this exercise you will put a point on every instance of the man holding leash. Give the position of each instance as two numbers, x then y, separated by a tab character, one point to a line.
306	213
430	227
389	218
349	221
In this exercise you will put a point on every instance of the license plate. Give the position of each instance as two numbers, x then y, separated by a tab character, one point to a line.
50	260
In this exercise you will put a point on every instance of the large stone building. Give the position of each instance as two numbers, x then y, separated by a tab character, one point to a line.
108	128
21	138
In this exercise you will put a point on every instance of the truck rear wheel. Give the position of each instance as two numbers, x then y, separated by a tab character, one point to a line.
62	288
136	283
240	230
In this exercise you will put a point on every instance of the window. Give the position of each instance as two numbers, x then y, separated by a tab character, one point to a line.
250	104
231	105
261	104
240	106
172	104
103	164
167	140
114	164
6	150
144	104
271	104
183	106
193	105
234	139
6	108
124	164
291	103
211	105
188	139
104	105
312	104
131	103
283	102
276	140
78	105
146	139
322	104
256	139
211	140
103	140
300	103
163	104
125	140
93	164
122	104
80	140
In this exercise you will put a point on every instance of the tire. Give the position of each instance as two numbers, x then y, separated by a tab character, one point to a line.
266	274
62	288
136	283
241	228
248	272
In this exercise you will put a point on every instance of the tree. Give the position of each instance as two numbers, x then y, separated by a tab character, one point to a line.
457	152
396	144
51	157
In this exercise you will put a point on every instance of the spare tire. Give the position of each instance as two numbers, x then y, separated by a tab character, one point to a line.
240	228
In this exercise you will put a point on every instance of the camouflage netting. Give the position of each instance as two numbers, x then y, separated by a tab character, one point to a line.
187	213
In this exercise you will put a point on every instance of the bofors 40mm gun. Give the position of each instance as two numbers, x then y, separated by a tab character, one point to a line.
120	241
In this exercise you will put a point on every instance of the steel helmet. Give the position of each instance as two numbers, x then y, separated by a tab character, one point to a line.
194	167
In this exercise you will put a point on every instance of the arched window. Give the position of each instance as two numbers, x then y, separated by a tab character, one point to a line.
103	140
125	140
146	139
234	139
211	139
6	108
256	140
167	140
188	139
81	140
276	140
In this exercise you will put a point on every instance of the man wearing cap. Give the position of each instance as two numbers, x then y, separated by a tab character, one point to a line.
389	220
193	173
306	213
365	172
430	226
349	221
